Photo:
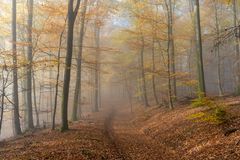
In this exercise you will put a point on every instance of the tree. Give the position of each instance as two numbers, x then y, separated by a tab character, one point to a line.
146	104
141	39
201	79
58	75
217	50
97	65
72	14
29	67
77	95
237	49
171	50
154	35
5	75
17	127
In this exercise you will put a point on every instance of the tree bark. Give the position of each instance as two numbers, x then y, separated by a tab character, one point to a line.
29	67
97	67
35	101
170	98
220	88
77	95
201	78
237	49
153	75
2	102
57	77
144	85
17	126
172	50
72	13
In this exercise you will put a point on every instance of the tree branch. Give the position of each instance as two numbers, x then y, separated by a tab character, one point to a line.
75	12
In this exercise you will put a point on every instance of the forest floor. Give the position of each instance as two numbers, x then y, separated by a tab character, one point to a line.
147	134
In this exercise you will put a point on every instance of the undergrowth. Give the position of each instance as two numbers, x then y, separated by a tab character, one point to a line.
213	113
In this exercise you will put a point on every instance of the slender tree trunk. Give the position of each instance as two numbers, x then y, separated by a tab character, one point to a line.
200	67
2	98
170	98
172	50
17	126
92	72
57	77
2	104
77	96
220	89
72	13
237	49
139	82
99	86
97	67
170	54
51	94
190	88
29	67
192	55
23	96
24	92
40	99
144	85
153	75
35	100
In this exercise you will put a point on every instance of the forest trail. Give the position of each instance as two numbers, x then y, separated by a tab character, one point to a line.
117	134
160	134
88	139
133	144
107	135
128	140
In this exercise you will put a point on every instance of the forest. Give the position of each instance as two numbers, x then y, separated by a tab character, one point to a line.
119	79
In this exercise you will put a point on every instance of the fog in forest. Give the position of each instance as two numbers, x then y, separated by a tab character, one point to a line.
125	70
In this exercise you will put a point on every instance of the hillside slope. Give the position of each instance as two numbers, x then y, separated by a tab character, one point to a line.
147	134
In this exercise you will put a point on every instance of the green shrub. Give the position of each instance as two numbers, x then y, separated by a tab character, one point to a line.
214	113
196	115
202	102
220	114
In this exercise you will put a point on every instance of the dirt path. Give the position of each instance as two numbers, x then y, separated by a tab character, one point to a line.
115	135
109	132
90	139
105	136
131	143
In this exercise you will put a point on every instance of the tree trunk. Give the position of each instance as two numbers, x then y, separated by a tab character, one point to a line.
2	103
72	13
97	67
172	50
51	94
153	75
170	98
29	67
220	89
77	95
237	50
58	75
17	126
144	85
35	101
192	44
170	54
201	79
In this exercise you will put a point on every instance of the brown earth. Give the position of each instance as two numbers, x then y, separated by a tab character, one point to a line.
147	134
